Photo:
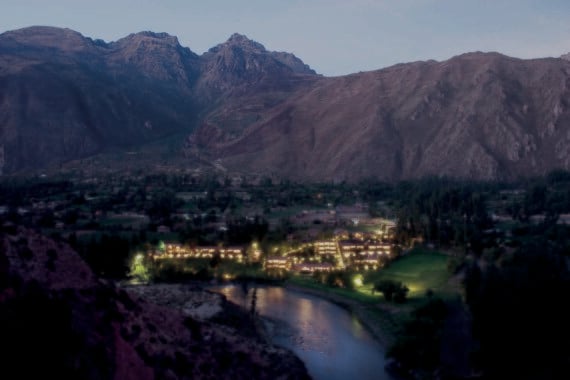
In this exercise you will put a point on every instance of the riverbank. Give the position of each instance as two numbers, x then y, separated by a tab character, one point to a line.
198	301
327	336
378	322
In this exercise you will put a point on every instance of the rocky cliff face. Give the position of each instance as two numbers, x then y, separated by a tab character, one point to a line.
240	62
479	115
58	319
158	56
241	73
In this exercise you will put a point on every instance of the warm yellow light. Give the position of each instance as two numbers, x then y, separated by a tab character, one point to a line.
358	280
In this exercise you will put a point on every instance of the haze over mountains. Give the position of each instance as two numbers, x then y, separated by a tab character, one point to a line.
479	115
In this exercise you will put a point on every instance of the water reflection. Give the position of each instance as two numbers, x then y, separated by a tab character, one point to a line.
332	342
357	328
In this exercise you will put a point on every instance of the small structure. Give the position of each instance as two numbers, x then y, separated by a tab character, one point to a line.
277	262
313	267
326	247
178	251
163	229
351	247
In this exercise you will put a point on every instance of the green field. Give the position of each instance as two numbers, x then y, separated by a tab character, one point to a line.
419	271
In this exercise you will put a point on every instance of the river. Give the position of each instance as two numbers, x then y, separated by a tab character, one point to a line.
332	343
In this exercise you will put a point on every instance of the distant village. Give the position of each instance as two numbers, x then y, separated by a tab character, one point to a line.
312	228
304	251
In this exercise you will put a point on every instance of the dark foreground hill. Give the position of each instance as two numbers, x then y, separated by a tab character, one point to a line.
58	320
479	115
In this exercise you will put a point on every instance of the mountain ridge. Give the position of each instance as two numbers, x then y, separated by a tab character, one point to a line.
476	115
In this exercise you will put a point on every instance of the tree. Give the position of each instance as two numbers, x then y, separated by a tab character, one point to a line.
392	290
140	268
107	256
215	260
519	316
418	345
253	310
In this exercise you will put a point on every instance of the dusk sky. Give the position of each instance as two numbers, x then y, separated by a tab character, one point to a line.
334	37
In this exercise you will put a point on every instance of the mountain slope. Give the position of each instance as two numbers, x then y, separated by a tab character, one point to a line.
64	96
479	115
483	116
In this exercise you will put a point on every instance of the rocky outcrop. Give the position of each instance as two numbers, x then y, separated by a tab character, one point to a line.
192	301
58	319
242	66
156	55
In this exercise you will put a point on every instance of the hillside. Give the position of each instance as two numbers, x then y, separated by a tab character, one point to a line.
66	97
58	319
478	115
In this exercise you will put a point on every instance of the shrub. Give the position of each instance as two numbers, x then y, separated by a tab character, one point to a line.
392	290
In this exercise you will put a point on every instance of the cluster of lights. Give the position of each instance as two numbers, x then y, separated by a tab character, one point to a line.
175	251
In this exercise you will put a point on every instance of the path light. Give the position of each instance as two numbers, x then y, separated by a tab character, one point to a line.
357	280
138	270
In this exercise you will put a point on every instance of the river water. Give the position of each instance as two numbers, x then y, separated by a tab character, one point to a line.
332	343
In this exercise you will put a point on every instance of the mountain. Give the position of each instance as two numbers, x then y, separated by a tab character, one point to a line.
54	309
242	62
478	115
64	96
566	56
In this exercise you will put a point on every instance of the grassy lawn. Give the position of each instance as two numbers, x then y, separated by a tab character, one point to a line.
419	271
310	283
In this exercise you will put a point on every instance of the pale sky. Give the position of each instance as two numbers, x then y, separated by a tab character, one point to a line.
334	37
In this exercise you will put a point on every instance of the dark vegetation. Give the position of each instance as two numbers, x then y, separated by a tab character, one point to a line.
418	346
392	290
39	325
519	317
507	244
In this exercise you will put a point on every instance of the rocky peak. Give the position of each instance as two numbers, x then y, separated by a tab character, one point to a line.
566	56
158	55
479	56
240	42
147	37
243	62
63	39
